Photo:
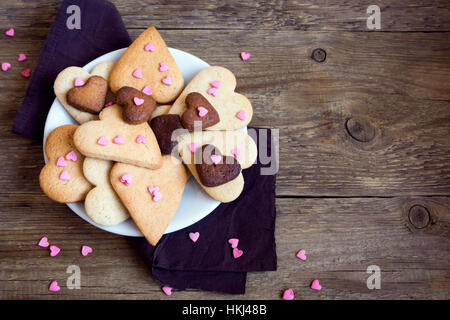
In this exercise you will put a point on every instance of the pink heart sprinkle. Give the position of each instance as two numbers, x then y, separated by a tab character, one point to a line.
237	153
108	104
78	82
126	179
102	141
72	156
157	196
152	190
61	162
21	57
241	115
237	253
6	66
215	158
301	255
119	139
167	81
141	139
163	67
167	290
10	32
26	73
85	250
54	250
233	242
147	90
215	84
194	236
137	73
315	285
212	91
245	55
202	112
138	101
193	147
43	242
288	294
149	47
54	286
64	175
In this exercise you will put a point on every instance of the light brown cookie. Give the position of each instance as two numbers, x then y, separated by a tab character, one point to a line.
65	81
151	208
111	138
235	110
148	62
160	110
62	177
230	143
102	204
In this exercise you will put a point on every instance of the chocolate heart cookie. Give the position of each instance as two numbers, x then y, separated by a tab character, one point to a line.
199	109
213	168
137	106
162	127
89	97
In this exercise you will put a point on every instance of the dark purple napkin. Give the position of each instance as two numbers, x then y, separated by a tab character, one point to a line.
208	264
102	31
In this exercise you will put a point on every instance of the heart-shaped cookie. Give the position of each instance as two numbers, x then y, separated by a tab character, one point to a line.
137	106
215	169
199	109
90	96
163	126
217	85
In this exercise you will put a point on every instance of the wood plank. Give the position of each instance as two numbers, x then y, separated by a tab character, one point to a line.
342	237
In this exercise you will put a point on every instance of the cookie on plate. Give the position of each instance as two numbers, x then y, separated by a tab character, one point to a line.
151	196
102	204
111	138
148	65
62	177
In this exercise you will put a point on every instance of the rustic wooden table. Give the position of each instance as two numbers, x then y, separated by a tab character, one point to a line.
364	173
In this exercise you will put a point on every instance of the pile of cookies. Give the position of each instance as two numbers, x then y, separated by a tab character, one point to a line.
130	157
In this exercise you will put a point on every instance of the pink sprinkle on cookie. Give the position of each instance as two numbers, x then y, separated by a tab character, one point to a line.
236	153
64	175
6	66
72	156
26	73
137	73
21	57
147	90
237	253
54	286
102	141
233	242
315	285
149	47
78	82
215	84
215	158
167	290
108	104
202	111
85	250
212	91
301	255
193	147
61	162
288	294
163	67
43	242
10	32
194	236
241	115
126	179
54	250
119	139
138	101
245	55
141	139
167	80
154	191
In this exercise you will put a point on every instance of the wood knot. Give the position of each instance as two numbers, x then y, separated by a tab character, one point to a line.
419	216
360	129
319	55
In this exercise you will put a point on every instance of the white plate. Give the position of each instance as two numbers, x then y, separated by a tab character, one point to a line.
195	203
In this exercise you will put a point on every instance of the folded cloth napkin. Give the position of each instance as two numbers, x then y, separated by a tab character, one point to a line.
208	263
101	31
